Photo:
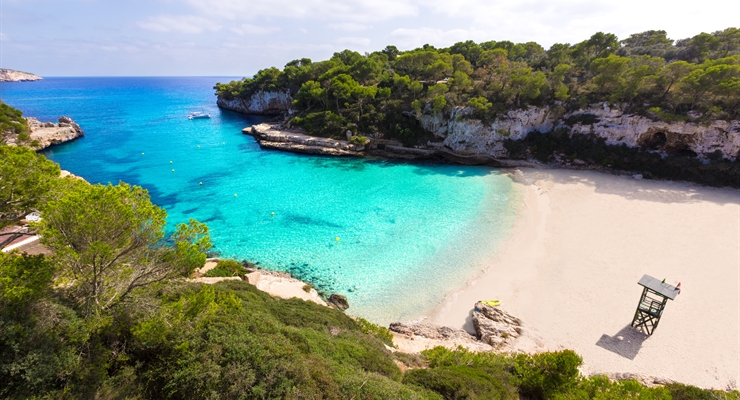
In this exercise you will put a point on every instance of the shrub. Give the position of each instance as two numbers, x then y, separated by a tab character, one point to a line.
542	375
359	140
460	382
225	268
378	331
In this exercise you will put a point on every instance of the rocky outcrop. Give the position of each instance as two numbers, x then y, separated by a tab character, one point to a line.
338	301
48	134
272	137
262	102
11	75
282	285
466	136
45	134
417	337
495	326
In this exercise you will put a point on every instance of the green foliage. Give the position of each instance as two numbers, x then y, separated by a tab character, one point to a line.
381	332
26	180
227	268
460	382
544	374
23	280
359	140
109	241
12	121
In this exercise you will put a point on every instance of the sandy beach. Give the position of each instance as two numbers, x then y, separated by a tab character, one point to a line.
570	273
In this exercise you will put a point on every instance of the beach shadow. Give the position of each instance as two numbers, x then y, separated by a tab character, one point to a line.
627	342
646	190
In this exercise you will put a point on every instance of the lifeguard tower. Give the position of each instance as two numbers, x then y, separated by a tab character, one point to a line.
654	297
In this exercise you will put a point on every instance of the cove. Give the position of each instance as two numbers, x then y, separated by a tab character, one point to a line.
393	237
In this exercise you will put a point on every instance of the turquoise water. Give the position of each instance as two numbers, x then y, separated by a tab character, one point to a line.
408	233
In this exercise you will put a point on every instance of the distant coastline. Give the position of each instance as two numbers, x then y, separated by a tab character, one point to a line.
11	75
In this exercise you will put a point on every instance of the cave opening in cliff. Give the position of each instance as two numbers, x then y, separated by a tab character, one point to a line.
656	141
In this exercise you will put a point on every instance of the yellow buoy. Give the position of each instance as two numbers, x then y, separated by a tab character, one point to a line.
234	194
272	213
173	170
170	162
337	239
200	183
198	146
142	154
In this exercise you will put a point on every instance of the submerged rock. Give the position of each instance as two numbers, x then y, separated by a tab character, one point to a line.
495	326
339	301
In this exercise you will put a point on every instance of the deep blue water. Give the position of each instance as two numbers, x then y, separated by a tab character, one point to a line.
408	233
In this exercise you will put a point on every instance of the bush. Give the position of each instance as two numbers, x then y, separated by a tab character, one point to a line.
359	140
460	382
225	268
542	375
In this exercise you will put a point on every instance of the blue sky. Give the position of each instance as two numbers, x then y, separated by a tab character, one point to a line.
239	37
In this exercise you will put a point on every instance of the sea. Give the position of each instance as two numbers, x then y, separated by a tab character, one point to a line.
393	237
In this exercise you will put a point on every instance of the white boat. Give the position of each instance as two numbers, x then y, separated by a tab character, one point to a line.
198	115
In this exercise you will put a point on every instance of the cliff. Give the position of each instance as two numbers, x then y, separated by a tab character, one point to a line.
261	102
10	75
473	137
45	134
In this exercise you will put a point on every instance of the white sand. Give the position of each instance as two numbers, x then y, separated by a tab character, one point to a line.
570	273
283	287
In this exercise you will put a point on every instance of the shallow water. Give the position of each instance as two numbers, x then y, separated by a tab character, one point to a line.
407	233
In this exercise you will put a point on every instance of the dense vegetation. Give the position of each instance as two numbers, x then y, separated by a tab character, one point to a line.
12	122
385	91
109	316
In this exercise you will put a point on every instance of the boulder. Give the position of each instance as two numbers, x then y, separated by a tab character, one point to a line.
431	331
339	301
495	326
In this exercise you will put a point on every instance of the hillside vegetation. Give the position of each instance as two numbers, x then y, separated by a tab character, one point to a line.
385	91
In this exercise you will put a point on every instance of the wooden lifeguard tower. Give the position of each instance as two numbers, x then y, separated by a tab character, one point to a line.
655	295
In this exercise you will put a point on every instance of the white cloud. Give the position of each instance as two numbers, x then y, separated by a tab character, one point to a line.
249	29
178	24
412	38
359	11
348	26
360	41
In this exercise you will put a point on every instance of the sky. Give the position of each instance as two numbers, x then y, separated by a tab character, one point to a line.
240	37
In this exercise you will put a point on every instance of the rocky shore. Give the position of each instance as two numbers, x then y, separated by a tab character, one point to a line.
276	137
45	134
11	75
495	329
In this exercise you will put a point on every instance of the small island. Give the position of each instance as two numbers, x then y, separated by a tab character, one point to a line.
11	75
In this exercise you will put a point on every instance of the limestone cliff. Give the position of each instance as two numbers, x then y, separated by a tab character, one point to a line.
262	102
10	75
472	137
46	134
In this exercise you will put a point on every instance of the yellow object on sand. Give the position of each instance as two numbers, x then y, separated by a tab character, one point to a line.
492	303
337	239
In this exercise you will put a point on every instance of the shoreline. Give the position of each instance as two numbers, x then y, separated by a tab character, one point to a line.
570	268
